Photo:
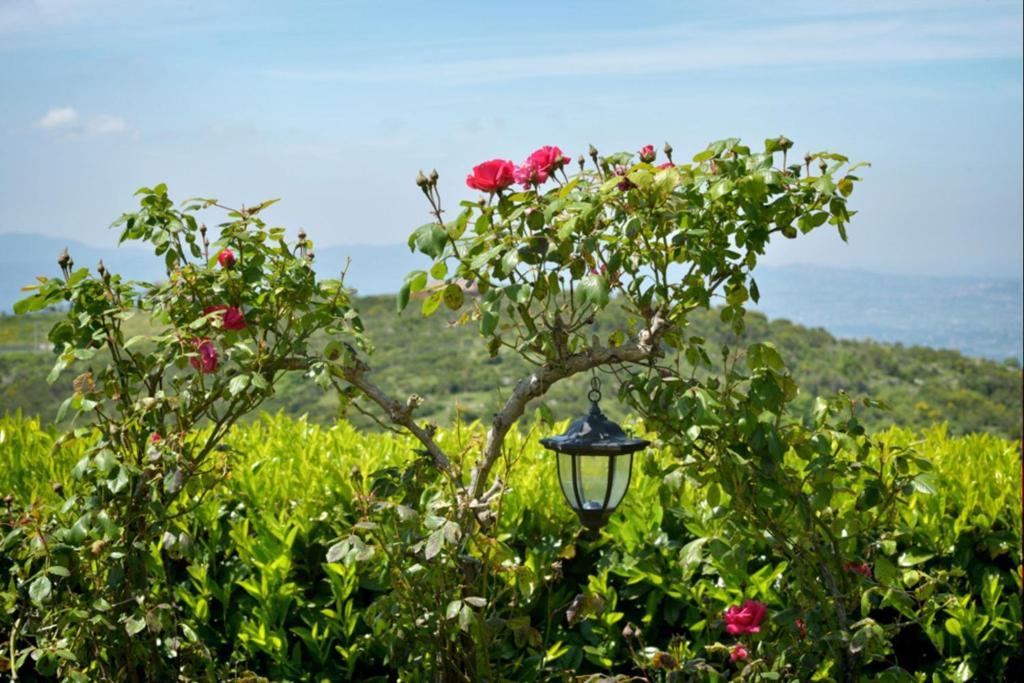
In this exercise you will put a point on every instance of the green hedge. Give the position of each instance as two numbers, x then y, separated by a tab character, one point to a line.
260	598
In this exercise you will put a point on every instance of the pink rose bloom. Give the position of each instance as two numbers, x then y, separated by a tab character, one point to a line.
206	361
548	159
231	317
746	618
863	569
226	258
738	653
491	176
215	309
539	166
529	175
647	153
155	437
234	319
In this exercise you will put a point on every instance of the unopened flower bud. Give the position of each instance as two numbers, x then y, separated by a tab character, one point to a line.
434	176
668	151
101	269
822	166
628	632
421	181
593	153
784	143
581	161
63	258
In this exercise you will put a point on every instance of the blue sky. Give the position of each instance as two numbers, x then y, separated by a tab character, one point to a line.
334	106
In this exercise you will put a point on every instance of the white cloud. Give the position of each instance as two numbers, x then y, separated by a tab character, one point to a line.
104	124
58	117
68	120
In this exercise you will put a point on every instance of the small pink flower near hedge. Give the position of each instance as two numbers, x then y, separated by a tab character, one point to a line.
745	618
226	258
647	153
491	176
738	652
206	361
155	438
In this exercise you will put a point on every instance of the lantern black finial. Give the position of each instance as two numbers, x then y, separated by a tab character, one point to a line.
595	462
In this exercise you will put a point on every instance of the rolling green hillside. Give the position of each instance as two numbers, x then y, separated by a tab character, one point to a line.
450	368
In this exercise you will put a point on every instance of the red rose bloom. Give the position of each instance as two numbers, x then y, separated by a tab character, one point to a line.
801	627
234	319
738	652
746	618
231	317
206	361
667	164
491	176
539	166
226	258
647	153
155	437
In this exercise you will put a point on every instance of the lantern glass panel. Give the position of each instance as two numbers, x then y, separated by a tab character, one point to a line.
591	486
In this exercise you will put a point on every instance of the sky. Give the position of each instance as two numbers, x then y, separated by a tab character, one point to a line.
334	107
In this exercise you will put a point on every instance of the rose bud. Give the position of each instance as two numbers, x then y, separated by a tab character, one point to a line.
226	258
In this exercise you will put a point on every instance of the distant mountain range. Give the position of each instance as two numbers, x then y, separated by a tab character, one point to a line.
979	316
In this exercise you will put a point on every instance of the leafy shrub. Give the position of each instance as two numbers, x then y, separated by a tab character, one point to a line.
129	577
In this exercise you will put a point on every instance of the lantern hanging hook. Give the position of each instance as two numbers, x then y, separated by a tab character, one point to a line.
595	389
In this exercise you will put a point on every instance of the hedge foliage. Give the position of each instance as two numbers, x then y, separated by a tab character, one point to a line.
278	575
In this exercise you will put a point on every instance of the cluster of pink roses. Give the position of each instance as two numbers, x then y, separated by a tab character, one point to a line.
231	317
498	174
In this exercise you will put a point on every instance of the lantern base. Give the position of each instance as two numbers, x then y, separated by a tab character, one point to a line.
594	520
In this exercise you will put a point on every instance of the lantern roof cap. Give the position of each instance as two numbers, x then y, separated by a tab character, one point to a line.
594	434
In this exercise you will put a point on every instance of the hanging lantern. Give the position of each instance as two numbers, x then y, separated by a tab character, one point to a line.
595	461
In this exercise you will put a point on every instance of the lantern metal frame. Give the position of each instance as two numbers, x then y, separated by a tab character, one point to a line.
594	435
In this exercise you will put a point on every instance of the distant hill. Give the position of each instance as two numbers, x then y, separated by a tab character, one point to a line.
450	368
979	316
